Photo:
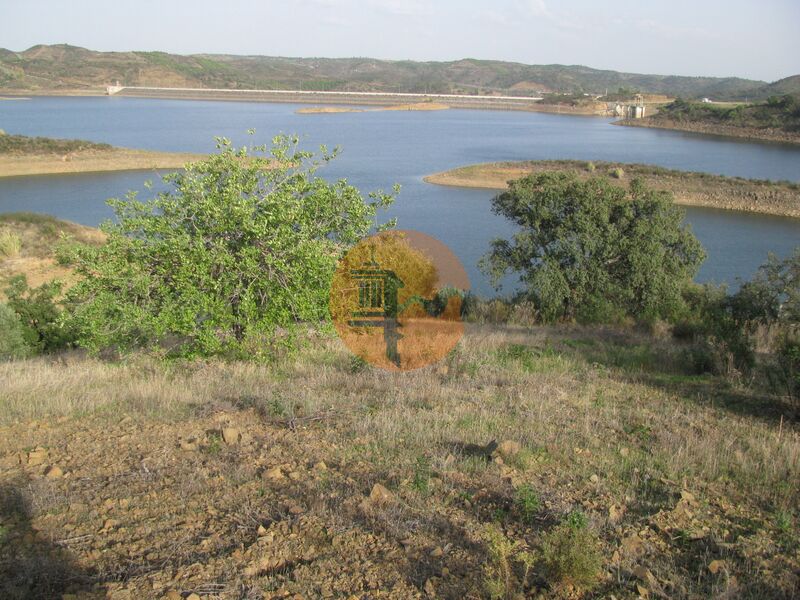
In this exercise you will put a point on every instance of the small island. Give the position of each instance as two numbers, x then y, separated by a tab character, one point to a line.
780	198
23	155
416	106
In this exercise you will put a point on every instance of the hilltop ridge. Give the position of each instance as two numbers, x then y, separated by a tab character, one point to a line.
48	68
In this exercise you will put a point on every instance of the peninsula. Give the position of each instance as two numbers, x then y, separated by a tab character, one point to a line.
780	198
23	155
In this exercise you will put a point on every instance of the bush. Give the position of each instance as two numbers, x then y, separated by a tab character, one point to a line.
590	250
40	315
617	173
571	555
787	373
508	566
10	244
243	246
720	340
527	502
590	166
12	338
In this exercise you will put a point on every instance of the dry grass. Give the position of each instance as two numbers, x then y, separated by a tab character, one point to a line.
38	236
10	244
607	424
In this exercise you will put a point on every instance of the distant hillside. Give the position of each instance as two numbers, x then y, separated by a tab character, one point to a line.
777	119
64	67
779	112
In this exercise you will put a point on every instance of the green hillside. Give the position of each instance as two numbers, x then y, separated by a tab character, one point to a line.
63	67
778	112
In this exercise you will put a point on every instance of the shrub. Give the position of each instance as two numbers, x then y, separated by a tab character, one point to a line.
527	502
495	311
571	555
10	244
591	250
788	367
617	173
590	166
40	315
244	245
508	566
12	335
720	339
523	313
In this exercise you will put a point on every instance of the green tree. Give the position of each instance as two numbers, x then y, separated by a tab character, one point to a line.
12	335
773	294
593	251
244	243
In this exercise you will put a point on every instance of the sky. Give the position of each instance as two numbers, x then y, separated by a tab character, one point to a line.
752	39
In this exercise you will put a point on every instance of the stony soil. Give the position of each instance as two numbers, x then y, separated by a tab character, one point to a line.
319	479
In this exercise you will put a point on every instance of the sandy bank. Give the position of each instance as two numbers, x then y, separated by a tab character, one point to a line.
88	161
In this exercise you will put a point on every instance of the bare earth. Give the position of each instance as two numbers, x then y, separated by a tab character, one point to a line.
86	161
690	189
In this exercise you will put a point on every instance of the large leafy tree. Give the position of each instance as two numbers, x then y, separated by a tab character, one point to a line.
242	244
590	250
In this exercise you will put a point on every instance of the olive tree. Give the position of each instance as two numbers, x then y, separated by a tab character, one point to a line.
593	251
242	244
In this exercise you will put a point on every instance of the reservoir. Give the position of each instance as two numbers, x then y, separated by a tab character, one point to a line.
379	149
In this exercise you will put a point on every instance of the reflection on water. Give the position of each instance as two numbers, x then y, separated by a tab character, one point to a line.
383	148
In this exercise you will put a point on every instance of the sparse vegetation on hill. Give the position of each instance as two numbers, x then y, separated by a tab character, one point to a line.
777	119
778	112
23	155
21	144
64	67
311	476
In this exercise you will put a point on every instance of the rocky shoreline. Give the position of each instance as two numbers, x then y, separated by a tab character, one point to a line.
747	133
689	188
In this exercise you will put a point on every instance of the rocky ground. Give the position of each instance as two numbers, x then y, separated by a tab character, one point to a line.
318	477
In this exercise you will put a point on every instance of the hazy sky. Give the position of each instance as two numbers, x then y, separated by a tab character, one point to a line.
755	39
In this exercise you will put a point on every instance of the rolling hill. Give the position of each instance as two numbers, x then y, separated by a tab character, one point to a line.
63	67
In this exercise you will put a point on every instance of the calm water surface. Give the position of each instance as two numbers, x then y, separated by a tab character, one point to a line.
383	148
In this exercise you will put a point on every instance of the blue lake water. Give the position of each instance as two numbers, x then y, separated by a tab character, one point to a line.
383	148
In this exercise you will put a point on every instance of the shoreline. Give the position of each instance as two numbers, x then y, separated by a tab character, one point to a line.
726	131
689	188
92	161
378	99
